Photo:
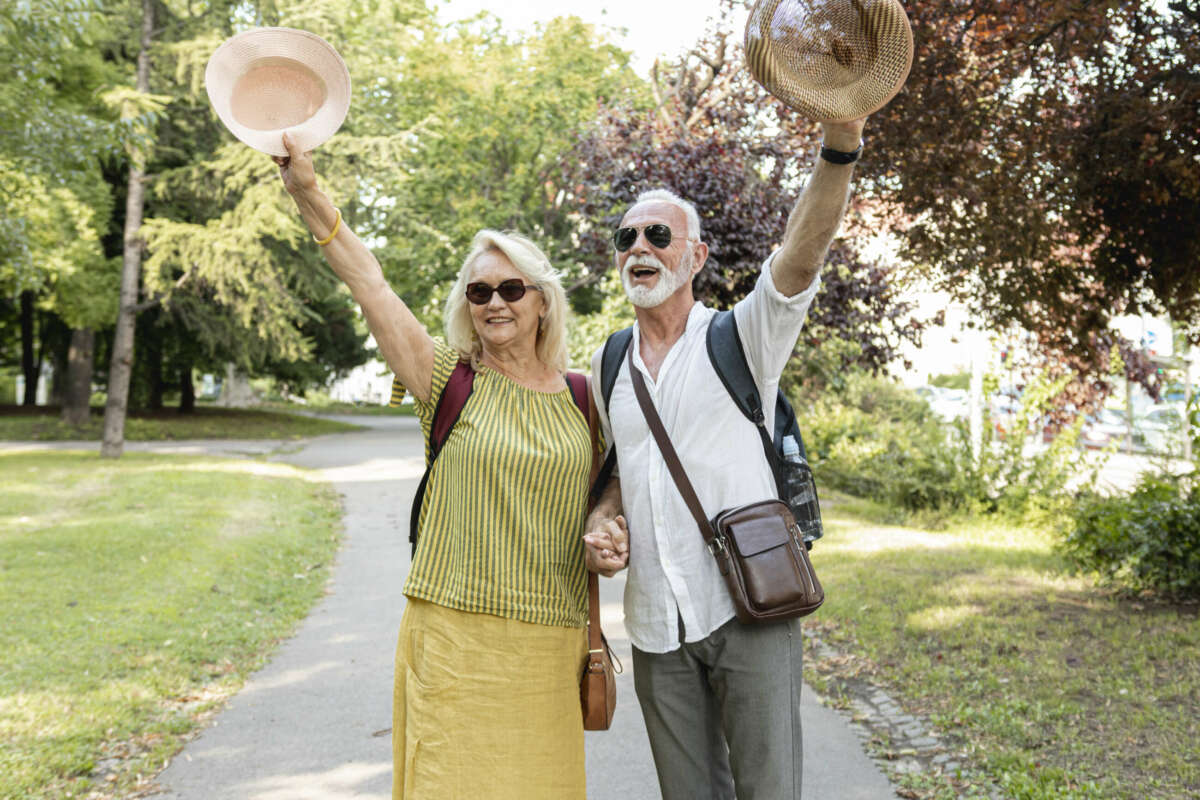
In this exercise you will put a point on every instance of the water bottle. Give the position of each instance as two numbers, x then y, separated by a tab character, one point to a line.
801	491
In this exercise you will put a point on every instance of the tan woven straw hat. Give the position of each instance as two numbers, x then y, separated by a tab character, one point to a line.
831	60
266	81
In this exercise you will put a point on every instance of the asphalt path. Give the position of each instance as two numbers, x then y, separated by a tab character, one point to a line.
315	721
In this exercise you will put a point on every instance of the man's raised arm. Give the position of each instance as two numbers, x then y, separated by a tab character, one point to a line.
815	219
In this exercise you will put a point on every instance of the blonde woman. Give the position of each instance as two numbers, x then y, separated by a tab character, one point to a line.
491	645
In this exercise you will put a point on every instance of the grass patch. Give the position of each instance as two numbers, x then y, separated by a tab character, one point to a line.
348	409
1054	688
138	594
43	423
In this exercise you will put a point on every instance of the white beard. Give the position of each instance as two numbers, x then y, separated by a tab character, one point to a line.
668	281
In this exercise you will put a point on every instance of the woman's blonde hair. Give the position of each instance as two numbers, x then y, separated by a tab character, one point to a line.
531	262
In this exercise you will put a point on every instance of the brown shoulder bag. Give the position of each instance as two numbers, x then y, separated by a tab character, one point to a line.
759	548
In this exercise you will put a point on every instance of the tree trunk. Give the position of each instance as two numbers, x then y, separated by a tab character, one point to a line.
29	366
187	390
122	356
79	377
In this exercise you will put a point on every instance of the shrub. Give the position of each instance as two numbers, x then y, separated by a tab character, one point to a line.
878	440
1148	540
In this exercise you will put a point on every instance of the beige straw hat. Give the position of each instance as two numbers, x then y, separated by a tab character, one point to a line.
831	60
266	81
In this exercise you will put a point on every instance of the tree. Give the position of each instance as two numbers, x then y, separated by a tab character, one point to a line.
113	443
1046	160
713	137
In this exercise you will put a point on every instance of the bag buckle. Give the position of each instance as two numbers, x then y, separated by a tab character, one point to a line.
717	546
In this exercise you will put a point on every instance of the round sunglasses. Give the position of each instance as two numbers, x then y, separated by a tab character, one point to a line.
510	291
657	234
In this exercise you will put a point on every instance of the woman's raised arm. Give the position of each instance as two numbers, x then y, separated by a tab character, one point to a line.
405	344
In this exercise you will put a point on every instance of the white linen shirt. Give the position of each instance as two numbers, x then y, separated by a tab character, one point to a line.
671	574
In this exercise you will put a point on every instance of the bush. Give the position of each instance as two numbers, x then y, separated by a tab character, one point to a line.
1146	541
879	440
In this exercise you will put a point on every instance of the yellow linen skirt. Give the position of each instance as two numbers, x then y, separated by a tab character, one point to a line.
485	706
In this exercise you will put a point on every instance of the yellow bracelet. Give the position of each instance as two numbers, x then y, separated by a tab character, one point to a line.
337	223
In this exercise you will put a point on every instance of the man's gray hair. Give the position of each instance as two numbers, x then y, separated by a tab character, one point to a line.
666	196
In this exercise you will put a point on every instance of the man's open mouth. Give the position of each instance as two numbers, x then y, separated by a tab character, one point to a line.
643	272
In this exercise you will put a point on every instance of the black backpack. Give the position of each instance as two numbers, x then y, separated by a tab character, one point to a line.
729	361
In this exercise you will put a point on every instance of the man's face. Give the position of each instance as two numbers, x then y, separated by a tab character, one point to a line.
651	274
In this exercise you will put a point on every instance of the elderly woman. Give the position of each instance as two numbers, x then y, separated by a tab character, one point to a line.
486	698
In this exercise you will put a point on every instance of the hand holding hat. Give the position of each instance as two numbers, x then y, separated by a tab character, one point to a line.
265	81
831	60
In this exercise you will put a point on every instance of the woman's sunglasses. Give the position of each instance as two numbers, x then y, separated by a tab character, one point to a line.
510	291
658	235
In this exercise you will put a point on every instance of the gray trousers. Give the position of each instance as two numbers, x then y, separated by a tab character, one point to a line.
723	713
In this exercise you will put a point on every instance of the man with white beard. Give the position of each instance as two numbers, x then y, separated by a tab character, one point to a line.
721	699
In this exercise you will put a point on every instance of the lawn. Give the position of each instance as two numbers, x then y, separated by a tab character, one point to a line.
42	423
1045	686
137	596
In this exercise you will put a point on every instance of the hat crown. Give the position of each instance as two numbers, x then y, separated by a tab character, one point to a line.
829	59
264	82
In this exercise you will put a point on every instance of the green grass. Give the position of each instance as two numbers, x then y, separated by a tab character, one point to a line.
19	423
137	595
349	409
1053	688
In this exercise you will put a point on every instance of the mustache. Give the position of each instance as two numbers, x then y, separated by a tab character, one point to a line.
645	260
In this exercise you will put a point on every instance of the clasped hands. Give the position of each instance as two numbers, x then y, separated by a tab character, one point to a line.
606	545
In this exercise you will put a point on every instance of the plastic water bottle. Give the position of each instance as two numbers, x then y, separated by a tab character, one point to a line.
801	490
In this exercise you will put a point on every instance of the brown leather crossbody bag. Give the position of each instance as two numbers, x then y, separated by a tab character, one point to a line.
759	548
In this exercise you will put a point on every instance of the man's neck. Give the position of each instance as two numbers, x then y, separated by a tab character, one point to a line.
661	327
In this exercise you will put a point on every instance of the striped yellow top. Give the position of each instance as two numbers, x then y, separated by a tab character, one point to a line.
502	518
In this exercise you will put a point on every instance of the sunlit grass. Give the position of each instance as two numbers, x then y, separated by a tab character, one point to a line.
138	594
1057	689
43	424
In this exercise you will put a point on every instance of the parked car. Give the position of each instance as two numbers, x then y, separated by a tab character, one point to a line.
1162	428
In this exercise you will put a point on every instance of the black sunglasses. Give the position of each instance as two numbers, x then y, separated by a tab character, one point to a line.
510	291
658	235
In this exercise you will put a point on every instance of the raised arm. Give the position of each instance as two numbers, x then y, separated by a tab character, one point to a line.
815	219
405	344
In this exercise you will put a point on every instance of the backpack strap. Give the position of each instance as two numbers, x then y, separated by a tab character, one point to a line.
610	361
577	383
450	405
610	366
728	358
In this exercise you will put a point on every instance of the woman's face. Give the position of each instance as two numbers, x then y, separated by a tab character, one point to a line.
501	324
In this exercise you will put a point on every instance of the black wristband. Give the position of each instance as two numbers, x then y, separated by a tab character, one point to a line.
840	156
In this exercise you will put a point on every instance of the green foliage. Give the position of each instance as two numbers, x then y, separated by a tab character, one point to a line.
955	380
1146	541
872	438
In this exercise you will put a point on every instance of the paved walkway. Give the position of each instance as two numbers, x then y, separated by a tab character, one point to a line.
315	722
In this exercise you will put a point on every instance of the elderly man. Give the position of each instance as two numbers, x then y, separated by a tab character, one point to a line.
721	699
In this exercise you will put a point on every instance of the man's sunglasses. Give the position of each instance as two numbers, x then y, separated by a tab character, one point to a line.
658	235
510	291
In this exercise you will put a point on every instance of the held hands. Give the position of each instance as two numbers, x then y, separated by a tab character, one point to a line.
296	169
606	545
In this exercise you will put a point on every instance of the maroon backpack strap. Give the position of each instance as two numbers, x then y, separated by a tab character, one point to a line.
450	405
578	384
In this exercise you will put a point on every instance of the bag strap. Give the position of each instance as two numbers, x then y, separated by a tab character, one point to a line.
728	358
610	367
595	636
668	452
450	405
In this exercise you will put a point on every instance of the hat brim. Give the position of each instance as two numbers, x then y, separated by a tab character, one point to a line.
843	66
290	56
